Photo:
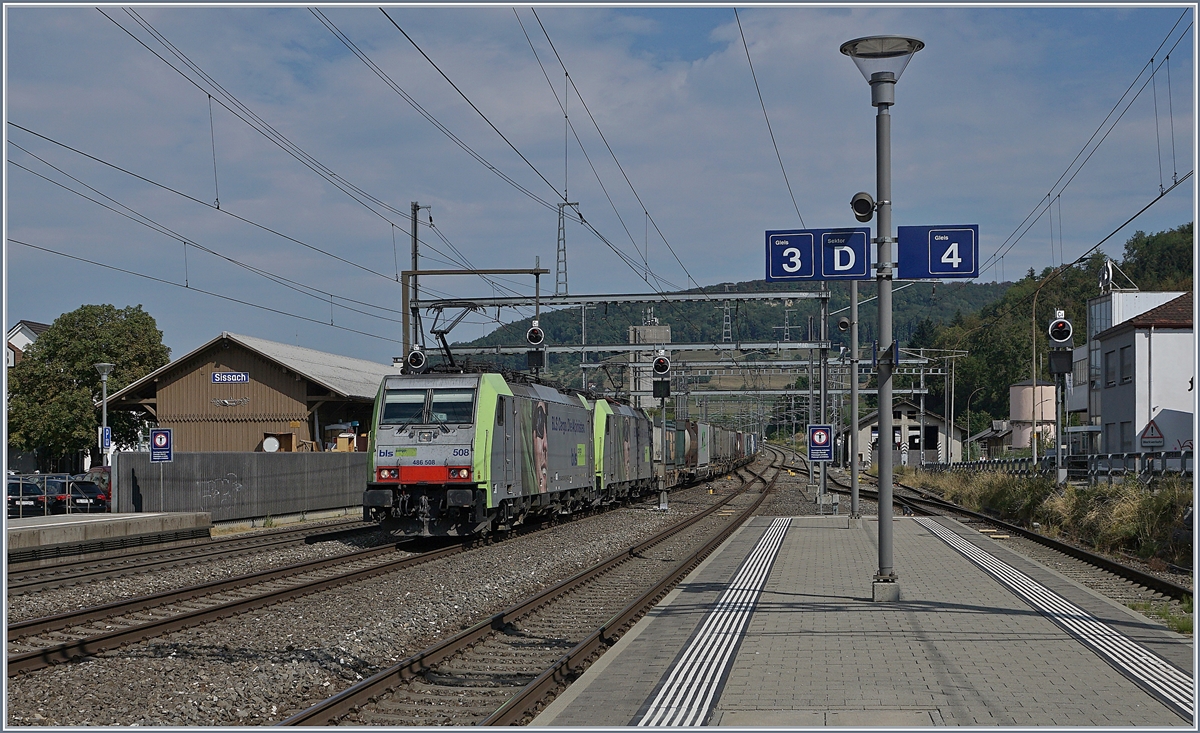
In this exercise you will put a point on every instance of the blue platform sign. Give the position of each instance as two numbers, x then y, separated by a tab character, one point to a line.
820	442
160	445
937	252
818	254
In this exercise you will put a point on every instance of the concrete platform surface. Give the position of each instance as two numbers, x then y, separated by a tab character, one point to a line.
778	629
37	541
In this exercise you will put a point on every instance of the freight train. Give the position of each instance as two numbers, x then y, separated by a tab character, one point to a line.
468	454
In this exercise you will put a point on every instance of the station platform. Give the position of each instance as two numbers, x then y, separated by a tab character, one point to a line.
41	540
777	628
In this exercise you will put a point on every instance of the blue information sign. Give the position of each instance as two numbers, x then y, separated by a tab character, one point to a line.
107	437
160	445
820	442
818	254
937	252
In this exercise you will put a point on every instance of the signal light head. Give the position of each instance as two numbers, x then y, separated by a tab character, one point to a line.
863	206
843	324
661	365
1060	331
535	336
416	361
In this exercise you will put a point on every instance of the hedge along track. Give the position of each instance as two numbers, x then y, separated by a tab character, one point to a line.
28	580
928	505
38	643
499	671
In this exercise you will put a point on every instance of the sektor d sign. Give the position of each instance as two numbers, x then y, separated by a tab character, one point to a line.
818	254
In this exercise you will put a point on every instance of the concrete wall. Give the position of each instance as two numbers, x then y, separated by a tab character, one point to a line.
232	486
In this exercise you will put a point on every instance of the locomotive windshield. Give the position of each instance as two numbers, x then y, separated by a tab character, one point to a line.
452	405
407	406
403	406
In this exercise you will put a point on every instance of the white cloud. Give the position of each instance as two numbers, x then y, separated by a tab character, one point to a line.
987	117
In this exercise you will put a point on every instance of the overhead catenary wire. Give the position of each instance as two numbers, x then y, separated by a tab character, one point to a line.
243	112
995	317
200	290
611	152
766	117
575	216
600	181
1072	170
226	211
146	221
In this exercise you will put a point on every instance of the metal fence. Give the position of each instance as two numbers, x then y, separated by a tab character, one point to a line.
235	486
1095	468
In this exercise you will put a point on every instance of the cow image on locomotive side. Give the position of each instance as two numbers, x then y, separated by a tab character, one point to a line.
467	454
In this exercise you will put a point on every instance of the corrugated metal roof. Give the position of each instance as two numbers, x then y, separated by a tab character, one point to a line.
341	374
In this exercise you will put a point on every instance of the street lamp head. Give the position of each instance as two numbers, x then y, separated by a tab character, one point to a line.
105	369
876	56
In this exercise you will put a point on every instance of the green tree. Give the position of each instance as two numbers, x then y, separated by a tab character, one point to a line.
1161	261
54	390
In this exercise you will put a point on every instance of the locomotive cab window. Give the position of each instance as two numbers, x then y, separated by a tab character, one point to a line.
452	405
403	406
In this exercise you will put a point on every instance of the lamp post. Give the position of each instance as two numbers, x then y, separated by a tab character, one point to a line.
882	59
104	368
968	443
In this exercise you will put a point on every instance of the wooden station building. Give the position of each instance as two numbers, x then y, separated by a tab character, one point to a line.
236	391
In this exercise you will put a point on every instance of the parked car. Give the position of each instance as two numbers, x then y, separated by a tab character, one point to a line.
25	499
75	496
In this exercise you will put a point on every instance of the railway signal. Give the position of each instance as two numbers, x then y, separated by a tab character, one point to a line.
535	335
1060	331
417	361
661	366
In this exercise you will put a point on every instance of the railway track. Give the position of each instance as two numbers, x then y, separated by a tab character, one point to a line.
29	580
37	643
499	671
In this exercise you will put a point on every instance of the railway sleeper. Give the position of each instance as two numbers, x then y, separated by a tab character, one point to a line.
482	679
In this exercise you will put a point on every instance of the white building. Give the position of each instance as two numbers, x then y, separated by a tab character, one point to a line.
20	336
915	435
1147	374
1021	413
1085	386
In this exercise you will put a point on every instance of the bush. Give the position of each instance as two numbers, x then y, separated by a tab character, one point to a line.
1127	516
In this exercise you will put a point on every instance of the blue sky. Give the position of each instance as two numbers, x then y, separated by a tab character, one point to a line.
988	117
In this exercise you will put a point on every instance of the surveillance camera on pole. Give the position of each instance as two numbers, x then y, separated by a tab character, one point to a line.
863	206
535	335
417	362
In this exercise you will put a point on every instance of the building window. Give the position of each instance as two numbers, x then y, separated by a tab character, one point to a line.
1110	368
1112	440
1127	437
1126	364
895	414
1079	371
